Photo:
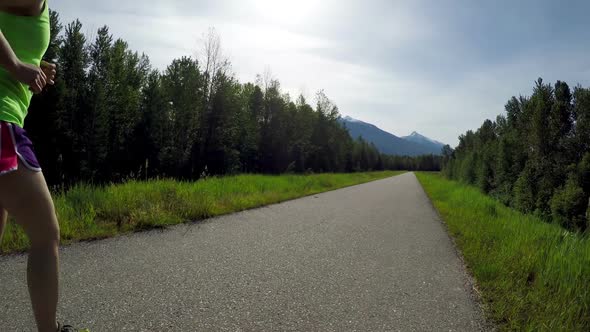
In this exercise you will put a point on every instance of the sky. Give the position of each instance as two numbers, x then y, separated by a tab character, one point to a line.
436	67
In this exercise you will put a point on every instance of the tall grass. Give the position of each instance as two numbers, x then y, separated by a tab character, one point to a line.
533	276
87	212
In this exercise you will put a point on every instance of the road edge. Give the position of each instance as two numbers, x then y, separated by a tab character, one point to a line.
471	282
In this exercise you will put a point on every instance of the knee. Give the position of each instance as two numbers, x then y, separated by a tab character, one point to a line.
49	236
54	236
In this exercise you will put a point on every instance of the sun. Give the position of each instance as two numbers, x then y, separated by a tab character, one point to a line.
287	11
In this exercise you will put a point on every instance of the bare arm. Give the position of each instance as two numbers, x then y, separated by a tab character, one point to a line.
30	75
8	59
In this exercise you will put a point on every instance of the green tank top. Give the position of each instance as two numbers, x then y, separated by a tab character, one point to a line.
28	37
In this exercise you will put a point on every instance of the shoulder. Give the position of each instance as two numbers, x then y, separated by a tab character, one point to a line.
22	7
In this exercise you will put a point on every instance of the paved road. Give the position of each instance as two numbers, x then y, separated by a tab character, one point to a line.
372	257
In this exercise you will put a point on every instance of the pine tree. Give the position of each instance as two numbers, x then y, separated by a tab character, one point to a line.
72	108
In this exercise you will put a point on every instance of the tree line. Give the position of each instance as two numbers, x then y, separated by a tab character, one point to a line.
535	157
112	117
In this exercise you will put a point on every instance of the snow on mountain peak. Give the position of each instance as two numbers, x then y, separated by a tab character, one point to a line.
350	119
419	136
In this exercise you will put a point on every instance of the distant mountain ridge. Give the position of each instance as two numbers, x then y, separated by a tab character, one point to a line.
387	143
425	141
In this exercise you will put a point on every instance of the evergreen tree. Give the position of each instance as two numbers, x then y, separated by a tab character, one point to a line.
536	157
72	108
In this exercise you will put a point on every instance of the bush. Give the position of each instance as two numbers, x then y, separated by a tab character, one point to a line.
524	198
468	169
568	206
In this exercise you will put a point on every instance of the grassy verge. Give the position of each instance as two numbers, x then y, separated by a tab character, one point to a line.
533	276
87	212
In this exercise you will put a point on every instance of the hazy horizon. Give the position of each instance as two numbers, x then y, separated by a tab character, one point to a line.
422	66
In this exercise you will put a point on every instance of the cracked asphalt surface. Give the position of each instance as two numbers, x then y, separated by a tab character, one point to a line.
372	257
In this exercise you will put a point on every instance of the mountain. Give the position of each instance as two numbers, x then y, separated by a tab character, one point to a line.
387	143
425	141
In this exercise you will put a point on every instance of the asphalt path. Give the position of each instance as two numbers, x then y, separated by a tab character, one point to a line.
371	257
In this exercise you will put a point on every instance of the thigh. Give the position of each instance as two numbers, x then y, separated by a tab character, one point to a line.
24	194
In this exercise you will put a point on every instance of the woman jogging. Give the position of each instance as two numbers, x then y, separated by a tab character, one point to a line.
24	38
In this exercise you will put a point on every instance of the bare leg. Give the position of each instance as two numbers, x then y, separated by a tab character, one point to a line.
24	194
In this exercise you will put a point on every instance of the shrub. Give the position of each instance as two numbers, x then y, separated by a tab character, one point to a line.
524	198
568	206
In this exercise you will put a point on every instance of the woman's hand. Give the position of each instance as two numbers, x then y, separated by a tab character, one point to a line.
33	76
49	70
30	75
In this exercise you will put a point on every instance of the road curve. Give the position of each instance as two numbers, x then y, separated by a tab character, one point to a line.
371	257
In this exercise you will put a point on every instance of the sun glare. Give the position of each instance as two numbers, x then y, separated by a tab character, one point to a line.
287	11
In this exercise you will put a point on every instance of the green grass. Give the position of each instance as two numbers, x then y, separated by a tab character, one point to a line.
533	276
87	212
